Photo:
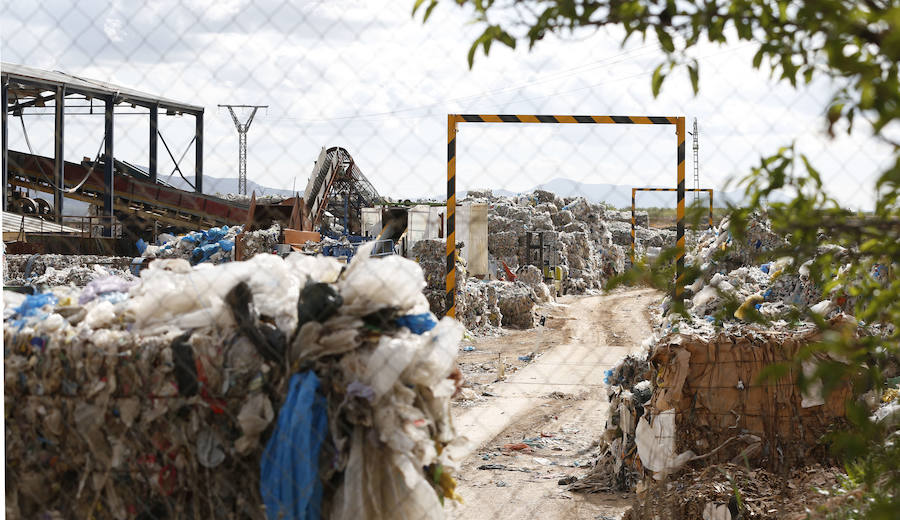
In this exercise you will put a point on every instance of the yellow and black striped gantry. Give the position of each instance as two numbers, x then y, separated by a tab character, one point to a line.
454	119
634	192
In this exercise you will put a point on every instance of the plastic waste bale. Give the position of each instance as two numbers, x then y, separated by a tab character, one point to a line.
163	398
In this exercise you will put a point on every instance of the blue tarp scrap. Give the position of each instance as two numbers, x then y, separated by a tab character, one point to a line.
289	471
417	323
141	246
34	302
202	253
215	234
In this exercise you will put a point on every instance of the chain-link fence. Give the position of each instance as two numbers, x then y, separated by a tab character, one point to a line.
160	363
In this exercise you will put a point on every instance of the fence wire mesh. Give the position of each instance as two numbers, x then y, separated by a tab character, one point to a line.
292	386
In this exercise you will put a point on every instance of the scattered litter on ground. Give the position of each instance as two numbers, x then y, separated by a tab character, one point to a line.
731	491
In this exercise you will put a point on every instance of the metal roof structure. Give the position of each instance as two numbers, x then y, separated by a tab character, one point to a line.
13	223
32	79
24	88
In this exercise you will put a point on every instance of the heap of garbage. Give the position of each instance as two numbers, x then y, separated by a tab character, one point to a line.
52	269
576	236
731	491
734	286
245	199
618	466
269	388
215	245
481	306
697	392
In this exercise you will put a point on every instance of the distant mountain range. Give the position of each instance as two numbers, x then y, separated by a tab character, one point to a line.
213	185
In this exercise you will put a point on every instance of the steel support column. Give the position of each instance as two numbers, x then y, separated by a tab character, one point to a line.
4	92
108	168
154	141
198	151
59	162
679	214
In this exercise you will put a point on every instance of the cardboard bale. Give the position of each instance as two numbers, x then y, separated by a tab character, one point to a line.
714	387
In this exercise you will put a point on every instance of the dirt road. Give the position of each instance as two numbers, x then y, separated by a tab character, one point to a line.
540	423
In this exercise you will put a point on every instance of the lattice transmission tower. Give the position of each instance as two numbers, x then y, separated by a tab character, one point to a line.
242	129
696	134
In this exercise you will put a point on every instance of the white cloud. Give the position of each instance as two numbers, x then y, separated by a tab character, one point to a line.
366	76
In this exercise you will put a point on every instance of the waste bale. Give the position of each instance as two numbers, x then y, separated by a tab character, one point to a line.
479	194
547	207
641	218
620	232
261	241
479	307
516	301
548	197
591	258
505	246
714	387
701	397
534	278
159	399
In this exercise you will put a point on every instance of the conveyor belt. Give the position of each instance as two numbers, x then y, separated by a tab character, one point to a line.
153	201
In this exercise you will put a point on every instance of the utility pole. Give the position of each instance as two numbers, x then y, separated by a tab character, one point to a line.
242	129
696	134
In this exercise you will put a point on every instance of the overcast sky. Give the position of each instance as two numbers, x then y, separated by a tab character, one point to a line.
366	76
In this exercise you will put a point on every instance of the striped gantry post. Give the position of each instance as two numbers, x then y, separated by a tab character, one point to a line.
454	119
633	219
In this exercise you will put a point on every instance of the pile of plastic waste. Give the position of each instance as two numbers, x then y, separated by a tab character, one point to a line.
618	466
52	269
269	388
215	245
741	281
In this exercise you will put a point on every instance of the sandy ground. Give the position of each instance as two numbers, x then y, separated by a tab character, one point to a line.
555	404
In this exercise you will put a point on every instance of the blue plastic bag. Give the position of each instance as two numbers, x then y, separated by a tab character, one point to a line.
417	323
34	302
141	246
289	471
215	234
226	245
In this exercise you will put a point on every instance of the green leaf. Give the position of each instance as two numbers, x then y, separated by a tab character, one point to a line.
429	10
418	4
657	80
665	40
694	72
472	50
757	58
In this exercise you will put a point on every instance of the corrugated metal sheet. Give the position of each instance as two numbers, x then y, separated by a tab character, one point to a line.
13	223
86	85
